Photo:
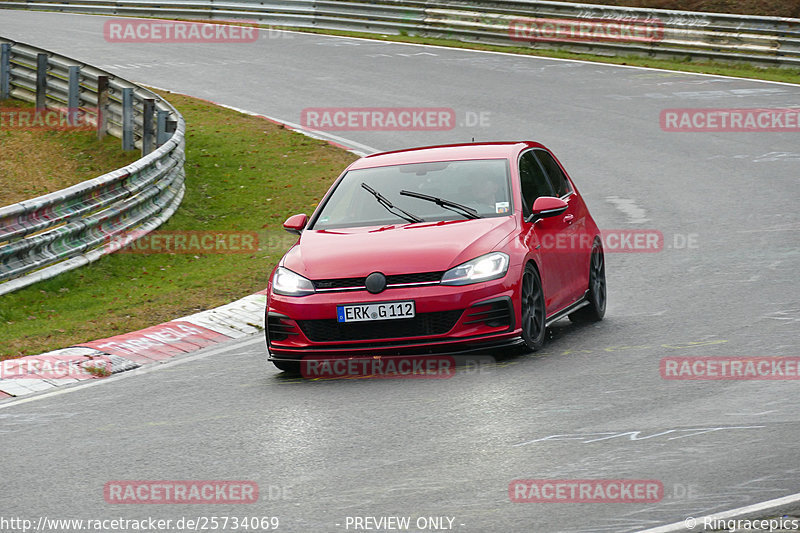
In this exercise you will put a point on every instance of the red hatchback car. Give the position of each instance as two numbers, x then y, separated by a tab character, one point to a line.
442	249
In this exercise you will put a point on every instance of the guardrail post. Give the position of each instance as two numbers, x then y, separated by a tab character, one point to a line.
41	81
148	109
5	71
161	127
102	107
127	119
74	94
172	126
45	236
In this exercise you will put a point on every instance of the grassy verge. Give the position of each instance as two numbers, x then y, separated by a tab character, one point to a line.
61	158
243	173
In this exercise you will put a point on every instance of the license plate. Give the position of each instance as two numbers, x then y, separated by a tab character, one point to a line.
380	311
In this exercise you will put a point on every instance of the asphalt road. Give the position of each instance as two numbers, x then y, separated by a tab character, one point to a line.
592	404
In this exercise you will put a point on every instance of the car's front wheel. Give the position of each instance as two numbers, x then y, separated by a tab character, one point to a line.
596	309
532	309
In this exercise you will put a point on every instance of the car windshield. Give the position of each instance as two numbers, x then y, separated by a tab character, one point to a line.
481	186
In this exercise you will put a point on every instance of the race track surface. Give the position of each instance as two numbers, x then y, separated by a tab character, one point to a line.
592	404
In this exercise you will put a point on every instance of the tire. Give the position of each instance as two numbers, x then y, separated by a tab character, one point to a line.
532	309
596	309
290	367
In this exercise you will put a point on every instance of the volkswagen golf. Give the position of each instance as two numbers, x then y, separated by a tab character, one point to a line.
437	250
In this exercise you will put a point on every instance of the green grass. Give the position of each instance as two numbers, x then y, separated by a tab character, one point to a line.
61	158
98	371
243	173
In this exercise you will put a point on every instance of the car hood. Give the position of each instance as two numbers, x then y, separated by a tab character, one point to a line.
401	249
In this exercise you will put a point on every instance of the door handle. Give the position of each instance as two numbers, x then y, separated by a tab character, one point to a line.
568	219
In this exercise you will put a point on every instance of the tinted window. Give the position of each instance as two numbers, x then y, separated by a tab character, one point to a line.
557	177
533	181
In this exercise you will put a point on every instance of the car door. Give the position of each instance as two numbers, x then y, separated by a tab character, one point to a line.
573	246
542	236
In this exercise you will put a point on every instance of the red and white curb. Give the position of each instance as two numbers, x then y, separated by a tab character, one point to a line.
152	345
164	341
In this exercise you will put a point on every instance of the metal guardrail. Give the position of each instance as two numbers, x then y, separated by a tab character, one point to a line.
45	236
765	41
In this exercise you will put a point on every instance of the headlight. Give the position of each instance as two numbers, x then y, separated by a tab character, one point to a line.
288	283
483	268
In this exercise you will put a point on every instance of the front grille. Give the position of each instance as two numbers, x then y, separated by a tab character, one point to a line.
340	283
420	277
494	314
395	279
279	329
422	324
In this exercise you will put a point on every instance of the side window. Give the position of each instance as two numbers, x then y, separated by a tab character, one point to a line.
557	177
533	181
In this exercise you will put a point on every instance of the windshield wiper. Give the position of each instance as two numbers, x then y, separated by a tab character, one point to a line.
446	204
405	215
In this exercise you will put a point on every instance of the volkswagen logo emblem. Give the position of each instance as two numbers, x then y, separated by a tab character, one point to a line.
376	282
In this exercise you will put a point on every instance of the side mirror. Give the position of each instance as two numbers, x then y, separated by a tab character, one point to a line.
295	224
546	206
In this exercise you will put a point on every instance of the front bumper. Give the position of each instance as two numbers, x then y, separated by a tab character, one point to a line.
449	320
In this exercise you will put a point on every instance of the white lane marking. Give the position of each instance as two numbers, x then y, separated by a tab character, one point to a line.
511	54
634	213
726	515
357	147
202	354
354	146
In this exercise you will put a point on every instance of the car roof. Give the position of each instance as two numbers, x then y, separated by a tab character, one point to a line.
448	152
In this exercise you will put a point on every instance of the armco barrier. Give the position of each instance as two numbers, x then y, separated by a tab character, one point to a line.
48	235
766	41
